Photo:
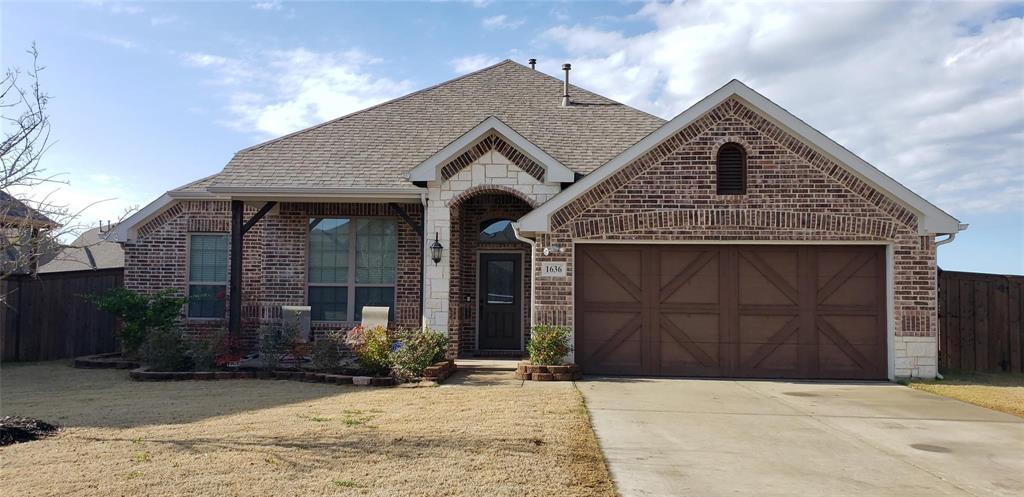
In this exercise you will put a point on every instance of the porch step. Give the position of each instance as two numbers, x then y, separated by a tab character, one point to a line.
491	364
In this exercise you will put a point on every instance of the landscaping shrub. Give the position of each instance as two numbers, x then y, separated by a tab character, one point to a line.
276	342
139	313
414	350
326	355
372	347
212	351
164	350
548	344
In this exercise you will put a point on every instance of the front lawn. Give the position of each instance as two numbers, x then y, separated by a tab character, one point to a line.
1002	392
268	437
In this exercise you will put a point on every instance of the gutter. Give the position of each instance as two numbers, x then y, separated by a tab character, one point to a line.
951	236
533	270
423	263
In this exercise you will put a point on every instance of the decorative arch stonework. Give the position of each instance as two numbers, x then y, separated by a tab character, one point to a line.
481	189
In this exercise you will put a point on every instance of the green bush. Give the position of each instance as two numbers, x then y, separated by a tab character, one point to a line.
276	342
139	313
372	347
414	350
326	355
164	350
206	350
548	344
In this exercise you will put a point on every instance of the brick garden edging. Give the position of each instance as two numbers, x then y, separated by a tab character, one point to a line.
436	373
564	372
112	360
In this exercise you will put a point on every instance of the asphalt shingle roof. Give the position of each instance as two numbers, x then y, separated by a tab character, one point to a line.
377	147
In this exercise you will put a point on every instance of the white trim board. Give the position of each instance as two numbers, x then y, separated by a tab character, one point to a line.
931	219
429	170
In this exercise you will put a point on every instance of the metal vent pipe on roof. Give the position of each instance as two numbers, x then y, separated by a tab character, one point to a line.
533	64
565	85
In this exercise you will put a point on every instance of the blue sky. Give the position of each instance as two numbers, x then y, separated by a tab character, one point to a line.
148	96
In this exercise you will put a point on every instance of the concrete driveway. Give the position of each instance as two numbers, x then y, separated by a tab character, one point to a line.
677	437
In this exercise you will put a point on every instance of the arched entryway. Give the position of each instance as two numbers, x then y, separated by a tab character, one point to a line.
490	269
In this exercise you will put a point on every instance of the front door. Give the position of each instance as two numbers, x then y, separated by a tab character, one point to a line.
501	309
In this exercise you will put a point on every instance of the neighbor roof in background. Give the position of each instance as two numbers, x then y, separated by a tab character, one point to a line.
13	210
90	250
377	147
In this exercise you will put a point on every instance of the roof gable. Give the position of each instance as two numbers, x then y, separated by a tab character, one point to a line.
430	169
931	219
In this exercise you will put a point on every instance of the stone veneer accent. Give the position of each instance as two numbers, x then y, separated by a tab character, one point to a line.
794	194
485	145
274	259
490	173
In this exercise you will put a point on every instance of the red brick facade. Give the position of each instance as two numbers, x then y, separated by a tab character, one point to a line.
274	259
466	216
793	194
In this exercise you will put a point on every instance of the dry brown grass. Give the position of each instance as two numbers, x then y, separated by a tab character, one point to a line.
1001	392
266	437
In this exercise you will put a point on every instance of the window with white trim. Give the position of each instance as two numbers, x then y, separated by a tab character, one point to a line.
352	263
207	275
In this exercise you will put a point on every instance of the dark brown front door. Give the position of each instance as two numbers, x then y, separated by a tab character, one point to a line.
501	307
732	311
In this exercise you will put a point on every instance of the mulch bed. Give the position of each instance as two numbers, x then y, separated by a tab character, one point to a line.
17	429
112	360
435	373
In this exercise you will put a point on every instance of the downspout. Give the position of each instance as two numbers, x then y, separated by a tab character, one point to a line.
533	271
423	267
949	237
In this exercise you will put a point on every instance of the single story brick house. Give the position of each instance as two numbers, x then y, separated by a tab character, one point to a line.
731	241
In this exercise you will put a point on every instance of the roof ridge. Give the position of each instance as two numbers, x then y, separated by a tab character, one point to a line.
372	107
596	94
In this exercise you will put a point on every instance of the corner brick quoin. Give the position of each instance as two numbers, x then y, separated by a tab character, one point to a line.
486	144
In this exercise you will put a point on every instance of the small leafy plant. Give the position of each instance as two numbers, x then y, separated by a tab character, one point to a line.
415	350
276	342
548	345
165	350
372	347
326	355
139	313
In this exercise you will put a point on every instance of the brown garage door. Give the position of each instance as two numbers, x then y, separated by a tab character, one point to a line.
731	311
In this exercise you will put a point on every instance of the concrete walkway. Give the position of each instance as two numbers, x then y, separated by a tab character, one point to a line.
676	437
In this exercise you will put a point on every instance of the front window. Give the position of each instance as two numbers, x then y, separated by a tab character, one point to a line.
497	231
207	275
352	264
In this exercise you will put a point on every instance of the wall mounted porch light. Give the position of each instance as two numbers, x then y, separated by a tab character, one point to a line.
435	250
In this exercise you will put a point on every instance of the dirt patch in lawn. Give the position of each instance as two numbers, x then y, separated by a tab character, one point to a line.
266	437
1001	392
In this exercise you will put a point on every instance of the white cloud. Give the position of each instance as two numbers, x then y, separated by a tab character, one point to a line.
277	92
470	63
269	5
933	94
501	22
160	20
117	42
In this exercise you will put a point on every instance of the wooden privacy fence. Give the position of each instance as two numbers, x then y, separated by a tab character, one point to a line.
46	317
980	327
